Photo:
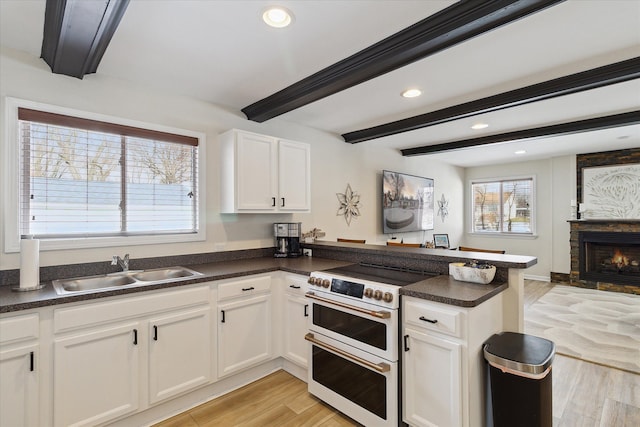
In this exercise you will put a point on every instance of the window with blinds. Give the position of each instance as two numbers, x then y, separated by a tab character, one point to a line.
86	178
503	206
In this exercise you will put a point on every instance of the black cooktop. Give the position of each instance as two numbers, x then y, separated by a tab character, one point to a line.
382	274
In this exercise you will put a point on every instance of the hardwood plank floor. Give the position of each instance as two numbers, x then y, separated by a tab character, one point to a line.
277	400
584	395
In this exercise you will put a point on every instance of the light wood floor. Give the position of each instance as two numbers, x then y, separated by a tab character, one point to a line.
584	395
277	400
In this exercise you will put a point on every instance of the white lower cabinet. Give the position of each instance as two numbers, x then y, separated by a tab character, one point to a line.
244	326
443	367
96	375
433	384
19	369
179	353
295	320
105	368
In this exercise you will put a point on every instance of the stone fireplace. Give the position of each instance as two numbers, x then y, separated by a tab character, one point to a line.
609	257
605	254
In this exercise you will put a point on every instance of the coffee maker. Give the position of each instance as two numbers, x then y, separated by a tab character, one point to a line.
287	236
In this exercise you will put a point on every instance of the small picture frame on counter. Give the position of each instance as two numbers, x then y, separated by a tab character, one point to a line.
441	241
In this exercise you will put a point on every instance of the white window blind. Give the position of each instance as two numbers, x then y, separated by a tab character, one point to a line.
503	206
85	178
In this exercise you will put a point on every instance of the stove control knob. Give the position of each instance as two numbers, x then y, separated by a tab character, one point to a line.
325	283
311	280
387	297
377	294
368	293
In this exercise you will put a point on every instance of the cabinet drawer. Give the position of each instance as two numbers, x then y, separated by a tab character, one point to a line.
433	317
19	328
240	288
103	312
295	285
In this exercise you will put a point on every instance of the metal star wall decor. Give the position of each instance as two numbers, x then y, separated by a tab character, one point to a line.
443	208
349	204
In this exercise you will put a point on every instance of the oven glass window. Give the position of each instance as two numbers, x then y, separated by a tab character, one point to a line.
362	386
364	330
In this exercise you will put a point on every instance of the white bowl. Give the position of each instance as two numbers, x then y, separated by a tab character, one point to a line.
470	274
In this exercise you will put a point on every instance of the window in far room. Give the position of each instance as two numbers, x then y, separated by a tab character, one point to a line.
503	206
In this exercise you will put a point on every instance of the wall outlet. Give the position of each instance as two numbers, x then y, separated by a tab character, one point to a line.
306	252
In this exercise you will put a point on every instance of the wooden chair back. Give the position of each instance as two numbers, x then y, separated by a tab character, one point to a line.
408	245
351	240
491	251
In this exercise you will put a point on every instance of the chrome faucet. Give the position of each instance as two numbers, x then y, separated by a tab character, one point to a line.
123	263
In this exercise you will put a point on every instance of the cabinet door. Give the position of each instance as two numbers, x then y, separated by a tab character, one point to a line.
296	318
256	172
96	375
244	333
294	161
19	387
432	381
179	353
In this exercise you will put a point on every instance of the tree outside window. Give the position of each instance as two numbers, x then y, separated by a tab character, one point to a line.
503	206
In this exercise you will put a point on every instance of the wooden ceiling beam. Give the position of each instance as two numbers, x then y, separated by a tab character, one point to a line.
455	24
606	122
598	77
77	33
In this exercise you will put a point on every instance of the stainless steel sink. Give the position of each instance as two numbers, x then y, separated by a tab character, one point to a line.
163	274
121	280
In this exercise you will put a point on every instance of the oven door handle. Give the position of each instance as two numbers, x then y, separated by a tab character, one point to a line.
378	314
380	367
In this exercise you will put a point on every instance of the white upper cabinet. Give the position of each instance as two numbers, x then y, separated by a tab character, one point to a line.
263	174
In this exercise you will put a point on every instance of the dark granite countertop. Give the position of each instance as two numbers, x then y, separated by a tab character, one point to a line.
447	290
440	288
409	255
16	301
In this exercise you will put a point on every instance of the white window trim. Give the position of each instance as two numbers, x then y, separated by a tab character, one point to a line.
9	197
534	211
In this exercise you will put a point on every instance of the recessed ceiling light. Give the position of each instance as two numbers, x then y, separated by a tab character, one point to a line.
411	93
479	126
520	152
277	17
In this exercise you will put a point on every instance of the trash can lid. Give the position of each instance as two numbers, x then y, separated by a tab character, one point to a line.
520	352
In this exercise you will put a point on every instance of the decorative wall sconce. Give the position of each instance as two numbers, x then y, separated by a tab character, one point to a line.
443	208
349	204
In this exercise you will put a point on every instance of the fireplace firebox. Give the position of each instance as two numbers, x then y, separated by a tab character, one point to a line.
610	257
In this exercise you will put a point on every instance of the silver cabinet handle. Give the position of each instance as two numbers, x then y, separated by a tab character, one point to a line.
378	314
380	367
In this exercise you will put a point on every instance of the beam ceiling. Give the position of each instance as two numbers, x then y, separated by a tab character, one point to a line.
598	77
77	33
453	25
606	122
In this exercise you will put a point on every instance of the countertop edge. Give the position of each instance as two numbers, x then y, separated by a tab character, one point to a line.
228	270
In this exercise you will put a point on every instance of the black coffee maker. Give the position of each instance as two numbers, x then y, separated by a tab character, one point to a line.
287	237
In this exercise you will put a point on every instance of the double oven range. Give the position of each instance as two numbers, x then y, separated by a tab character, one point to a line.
354	339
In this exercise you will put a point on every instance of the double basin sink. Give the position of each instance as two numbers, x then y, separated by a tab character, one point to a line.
123	279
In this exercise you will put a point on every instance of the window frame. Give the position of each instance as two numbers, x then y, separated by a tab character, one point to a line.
509	234
11	181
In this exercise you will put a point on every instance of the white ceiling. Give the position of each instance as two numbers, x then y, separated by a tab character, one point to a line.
222	52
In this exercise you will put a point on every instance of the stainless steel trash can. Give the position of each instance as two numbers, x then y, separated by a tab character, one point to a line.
520	380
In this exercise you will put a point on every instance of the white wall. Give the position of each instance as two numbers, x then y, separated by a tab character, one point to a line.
555	187
334	164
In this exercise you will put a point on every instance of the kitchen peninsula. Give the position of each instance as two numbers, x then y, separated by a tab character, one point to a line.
194	313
